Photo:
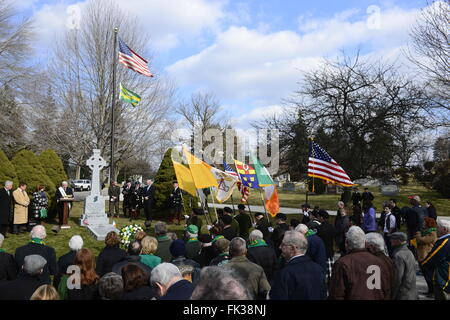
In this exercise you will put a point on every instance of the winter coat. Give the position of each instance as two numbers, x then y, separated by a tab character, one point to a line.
48	253
163	250
180	290
8	267
245	223
6	206
327	233
425	243
21	202
107	258
140	293
265	257
405	274
316	251
21	288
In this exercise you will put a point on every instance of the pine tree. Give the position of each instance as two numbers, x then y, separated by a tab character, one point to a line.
164	179
30	171
7	170
53	166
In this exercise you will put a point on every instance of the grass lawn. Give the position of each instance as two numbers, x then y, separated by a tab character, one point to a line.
329	201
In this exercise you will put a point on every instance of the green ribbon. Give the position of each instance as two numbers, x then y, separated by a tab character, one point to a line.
217	238
37	241
257	243
192	240
310	233
162	238
428	231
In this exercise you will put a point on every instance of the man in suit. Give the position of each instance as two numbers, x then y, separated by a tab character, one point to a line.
114	196
37	246
149	199
127	193
5	207
175	204
21	203
62	192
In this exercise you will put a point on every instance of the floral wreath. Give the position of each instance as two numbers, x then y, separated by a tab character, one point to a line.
127	234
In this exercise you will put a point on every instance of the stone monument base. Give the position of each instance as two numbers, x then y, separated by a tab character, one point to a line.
100	232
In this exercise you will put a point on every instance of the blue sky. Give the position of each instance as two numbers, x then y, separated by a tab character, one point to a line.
252	53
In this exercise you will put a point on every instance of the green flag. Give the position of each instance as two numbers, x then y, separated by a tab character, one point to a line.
262	173
129	96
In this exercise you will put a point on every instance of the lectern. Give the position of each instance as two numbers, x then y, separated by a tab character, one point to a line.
65	223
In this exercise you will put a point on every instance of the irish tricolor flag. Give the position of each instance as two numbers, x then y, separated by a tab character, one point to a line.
270	191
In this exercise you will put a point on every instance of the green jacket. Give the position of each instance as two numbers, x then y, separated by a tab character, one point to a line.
150	260
163	250
245	223
253	275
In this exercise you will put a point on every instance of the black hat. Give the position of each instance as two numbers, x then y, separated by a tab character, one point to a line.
258	214
323	214
294	222
228	210
205	238
281	216
198	211
306	205
241	206
227	219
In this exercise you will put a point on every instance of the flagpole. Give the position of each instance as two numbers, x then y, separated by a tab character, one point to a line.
232	202
215	209
113	106
264	204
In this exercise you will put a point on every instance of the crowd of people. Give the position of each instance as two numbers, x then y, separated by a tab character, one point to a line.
245	257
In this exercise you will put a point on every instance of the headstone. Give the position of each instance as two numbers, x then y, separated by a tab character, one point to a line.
389	189
95	217
331	189
288	186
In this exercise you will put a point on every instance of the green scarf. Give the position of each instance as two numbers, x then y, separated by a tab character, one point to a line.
223	254
1	250
310	233
217	238
37	241
427	231
257	243
192	240
162	238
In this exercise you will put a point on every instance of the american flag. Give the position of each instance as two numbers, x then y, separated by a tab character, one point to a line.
229	170
132	60
322	166
245	191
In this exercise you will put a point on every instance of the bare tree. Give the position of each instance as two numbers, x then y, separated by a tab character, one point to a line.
430	51
81	78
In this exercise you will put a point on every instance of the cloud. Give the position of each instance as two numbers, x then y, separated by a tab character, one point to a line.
257	114
246	63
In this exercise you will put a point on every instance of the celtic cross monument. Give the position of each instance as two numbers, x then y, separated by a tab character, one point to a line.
95	217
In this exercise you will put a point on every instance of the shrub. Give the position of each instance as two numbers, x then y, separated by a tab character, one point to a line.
7	170
53	166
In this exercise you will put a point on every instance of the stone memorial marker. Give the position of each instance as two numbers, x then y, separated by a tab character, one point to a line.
95	217
289	186
390	189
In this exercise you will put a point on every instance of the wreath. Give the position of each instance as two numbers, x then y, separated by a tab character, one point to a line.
127	234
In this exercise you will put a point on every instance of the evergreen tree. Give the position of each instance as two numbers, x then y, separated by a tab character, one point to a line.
53	166
164	185
30	171
7	170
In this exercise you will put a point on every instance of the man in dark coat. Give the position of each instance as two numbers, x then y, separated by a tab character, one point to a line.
149	199
245	222
27	281
316	248
114	199
356	197
134	250
8	267
175	204
207	251
301	278
110	255
278	232
260	253
37	246
170	284
62	192
327	232
234	224
5	207
367	197
228	231
127	192
262	224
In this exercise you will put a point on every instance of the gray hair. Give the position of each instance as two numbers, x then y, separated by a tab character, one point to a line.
110	286
160	228
76	243
8	183
64	183
296	239
192	235
255	235
217	283
186	269
376	240
355	238
444	224
163	273
238	247
38	232
34	264
302	228
2	238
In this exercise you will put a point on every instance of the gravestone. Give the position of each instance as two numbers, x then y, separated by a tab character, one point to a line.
289	186
95	217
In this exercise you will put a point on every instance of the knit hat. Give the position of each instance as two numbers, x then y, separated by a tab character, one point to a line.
192	228
177	248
